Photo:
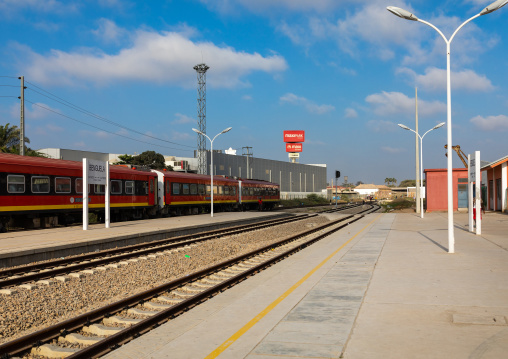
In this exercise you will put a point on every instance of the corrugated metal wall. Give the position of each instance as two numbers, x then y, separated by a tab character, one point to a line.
292	177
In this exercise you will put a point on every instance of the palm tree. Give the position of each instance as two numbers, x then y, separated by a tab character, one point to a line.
9	141
9	138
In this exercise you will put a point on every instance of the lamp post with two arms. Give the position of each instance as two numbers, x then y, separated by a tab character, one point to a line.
421	158
211	161
409	16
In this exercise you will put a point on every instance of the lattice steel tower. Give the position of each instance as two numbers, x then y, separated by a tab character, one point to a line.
201	70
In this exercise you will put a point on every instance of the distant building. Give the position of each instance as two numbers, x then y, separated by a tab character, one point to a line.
296	180
378	191
497	186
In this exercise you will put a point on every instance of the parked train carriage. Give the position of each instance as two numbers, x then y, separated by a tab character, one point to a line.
251	191
187	193
37	191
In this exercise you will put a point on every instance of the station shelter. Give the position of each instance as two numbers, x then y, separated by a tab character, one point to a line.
437	189
497	187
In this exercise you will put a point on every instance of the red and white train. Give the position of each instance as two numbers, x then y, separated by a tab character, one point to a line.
41	192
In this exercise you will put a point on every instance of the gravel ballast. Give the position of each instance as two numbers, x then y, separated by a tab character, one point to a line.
27	311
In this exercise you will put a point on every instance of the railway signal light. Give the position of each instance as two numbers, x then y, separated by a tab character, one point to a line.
337	174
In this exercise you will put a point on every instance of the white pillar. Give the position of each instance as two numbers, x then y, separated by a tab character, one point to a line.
85	194
504	186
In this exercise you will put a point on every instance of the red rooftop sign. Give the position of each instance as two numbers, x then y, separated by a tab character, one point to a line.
294	136
294	147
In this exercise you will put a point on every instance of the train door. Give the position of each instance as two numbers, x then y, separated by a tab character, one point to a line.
240	192
160	198
152	188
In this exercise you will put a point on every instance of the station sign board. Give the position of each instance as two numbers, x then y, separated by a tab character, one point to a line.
294	147
294	136
293	155
96	172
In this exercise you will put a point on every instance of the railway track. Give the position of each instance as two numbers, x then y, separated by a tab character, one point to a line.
104	329
11	277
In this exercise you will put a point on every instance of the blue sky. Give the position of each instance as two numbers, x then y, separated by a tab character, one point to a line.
343	71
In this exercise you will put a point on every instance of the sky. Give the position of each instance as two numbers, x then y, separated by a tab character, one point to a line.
117	76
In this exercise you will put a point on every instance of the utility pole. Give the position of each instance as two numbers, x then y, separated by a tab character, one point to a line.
246	152
22	122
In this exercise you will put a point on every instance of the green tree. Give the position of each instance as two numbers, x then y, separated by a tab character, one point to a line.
9	141
151	159
125	160
390	181
359	183
407	183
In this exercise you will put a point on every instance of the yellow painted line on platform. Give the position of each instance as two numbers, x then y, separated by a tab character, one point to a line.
270	307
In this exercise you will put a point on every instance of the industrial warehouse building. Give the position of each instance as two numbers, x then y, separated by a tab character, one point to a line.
296	180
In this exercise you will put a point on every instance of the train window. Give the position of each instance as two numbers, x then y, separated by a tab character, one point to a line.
201	189
208	189
194	189
185	188
40	184
251	191
15	184
145	187
62	185
233	191
152	185
176	188
226	190
214	189
167	186
79	185
116	187
221	189
99	188
129	187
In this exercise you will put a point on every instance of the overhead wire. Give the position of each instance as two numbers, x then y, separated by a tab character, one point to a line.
86	112
98	128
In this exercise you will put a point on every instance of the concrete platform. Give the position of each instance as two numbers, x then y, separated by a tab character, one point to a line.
384	288
23	247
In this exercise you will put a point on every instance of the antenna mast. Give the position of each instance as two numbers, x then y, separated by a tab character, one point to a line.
201	71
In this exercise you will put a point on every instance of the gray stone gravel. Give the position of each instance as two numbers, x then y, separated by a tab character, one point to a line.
27	311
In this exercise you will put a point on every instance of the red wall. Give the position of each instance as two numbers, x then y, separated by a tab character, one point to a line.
437	188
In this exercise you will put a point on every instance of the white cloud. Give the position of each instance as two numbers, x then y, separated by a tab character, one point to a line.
166	57
183	119
391	103
34	111
265	7
392	149
491	123
434	79
181	136
350	113
108	31
307	104
46	6
247	97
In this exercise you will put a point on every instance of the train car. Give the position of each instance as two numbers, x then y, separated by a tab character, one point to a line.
188	193
251	191
41	192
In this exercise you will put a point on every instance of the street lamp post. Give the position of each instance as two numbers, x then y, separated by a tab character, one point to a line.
409	16
421	159
211	162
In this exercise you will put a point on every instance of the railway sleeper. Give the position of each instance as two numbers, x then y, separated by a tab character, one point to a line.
101	330
53	351
75	338
156	306
116	320
168	300
141	312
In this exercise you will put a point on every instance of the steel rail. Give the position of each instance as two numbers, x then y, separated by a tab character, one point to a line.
25	343
134	251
